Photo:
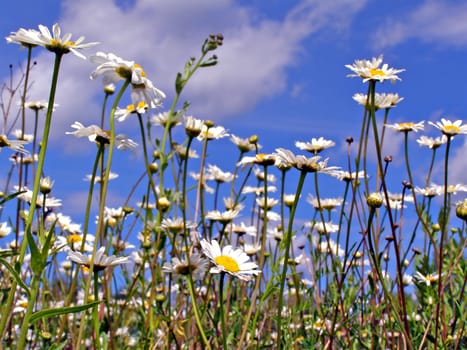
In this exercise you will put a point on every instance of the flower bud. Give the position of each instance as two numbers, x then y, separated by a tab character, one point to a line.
374	200
153	167
461	210
46	185
163	204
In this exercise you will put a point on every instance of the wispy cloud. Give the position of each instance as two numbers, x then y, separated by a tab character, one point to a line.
162	35
435	22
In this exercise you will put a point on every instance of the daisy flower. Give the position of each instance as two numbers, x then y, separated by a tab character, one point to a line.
176	225
260	159
214	173
51	41
224	217
163	118
406	127
95	134
5	230
431	191
243	229
101	261
324	203
15	145
315	145
450	128
323	228
114	69
232	261
196	267
244	145
303	163
431	142
373	70
121	114
38	105
347	176
259	174
182	152
428	279
193	126
50	202
212	133
97	178
18	133
382	101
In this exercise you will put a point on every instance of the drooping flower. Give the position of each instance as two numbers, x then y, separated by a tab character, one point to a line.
95	134
114	69
450	128
232	261
51	41
373	70
101	261
407	126
15	145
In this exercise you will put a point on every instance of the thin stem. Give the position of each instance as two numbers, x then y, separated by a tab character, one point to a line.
40	165
221	310
287	242
444	228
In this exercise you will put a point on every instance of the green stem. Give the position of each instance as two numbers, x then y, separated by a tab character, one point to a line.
95	313
197	316
444	227
287	243
40	165
221	310
105	182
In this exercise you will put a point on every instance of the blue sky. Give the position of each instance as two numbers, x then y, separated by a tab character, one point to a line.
281	72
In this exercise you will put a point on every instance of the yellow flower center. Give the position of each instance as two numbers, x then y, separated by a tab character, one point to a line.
23	304
377	71
130	108
228	263
137	66
74	239
406	126
451	129
141	104
432	279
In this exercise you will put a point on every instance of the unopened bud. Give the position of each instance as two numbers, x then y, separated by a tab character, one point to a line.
461	210
374	200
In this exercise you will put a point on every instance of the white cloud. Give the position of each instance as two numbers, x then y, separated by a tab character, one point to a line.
435	21
162	35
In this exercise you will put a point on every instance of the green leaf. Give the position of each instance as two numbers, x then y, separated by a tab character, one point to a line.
37	263
179	82
15	275
10	196
61	311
